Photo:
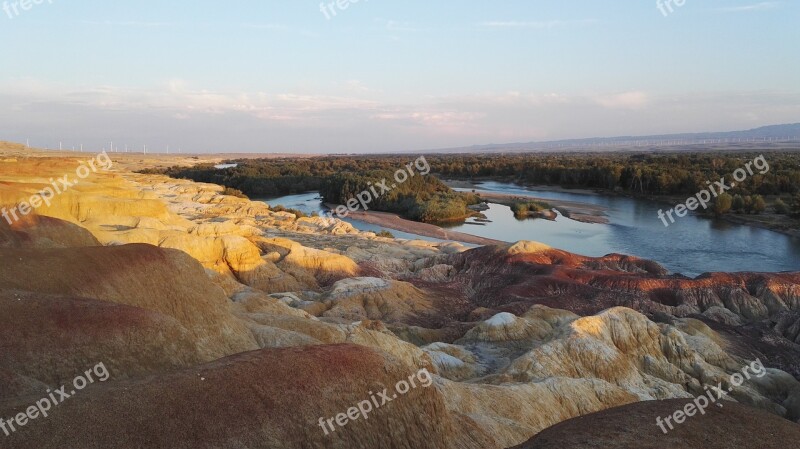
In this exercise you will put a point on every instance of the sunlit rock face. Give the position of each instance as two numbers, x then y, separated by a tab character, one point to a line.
265	323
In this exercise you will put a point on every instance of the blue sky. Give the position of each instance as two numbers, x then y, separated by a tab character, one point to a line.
382	75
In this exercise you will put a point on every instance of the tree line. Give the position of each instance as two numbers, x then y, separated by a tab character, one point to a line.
427	199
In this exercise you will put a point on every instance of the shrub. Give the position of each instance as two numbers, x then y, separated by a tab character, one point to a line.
297	213
781	207
759	205
738	203
523	209
722	205
230	191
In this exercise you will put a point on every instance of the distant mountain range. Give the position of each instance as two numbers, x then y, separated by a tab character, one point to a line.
773	133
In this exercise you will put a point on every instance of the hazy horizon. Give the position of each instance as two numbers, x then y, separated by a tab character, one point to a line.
380	77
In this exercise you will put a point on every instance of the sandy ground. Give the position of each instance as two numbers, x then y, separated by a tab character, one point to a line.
392	221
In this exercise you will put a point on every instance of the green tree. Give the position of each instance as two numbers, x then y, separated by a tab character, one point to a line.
723	204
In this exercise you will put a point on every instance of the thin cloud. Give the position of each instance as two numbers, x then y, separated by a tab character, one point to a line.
128	23
394	25
627	100
265	26
754	7
278	27
539	25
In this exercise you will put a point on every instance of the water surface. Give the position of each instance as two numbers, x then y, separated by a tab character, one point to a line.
691	246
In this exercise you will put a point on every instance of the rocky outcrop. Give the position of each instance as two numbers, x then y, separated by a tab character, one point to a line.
455	362
509	413
311	266
624	348
358	299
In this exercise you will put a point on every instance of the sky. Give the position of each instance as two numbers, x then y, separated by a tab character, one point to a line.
300	76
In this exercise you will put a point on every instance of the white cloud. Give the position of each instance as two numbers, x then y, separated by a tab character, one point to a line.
626	100
447	121
360	120
753	7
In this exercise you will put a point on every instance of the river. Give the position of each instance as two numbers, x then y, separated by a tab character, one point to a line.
691	246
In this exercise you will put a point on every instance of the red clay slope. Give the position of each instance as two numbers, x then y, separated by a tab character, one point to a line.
165	281
733	426
50	338
263	399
